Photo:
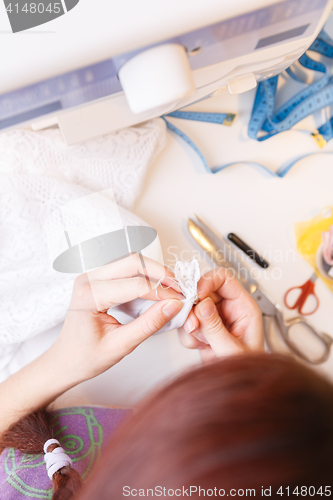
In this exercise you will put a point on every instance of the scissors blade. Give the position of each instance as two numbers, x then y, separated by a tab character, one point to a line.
220	252
267	305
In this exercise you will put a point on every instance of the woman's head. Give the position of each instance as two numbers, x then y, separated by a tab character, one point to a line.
240	423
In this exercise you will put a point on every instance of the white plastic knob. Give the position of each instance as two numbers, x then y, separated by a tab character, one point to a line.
242	83
157	77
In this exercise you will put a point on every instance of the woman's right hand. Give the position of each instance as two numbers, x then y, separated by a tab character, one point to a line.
91	341
226	321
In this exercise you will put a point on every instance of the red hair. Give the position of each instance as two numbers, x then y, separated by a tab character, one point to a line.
29	435
241	423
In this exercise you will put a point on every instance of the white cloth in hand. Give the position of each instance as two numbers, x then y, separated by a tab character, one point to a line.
187	275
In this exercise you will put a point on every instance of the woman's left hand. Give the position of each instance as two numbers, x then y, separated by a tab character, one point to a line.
226	321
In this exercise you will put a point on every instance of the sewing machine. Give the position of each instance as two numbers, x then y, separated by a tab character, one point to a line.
100	67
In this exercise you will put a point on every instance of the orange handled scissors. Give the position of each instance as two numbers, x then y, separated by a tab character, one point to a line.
306	291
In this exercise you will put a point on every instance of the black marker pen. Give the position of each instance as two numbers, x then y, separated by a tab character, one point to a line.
248	250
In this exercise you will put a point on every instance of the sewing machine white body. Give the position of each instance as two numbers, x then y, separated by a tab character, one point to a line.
232	44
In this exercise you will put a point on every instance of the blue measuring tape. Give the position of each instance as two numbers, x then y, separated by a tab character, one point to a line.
219	118
281	172
264	119
314	97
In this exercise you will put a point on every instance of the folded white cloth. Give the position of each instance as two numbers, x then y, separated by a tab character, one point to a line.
38	175
187	275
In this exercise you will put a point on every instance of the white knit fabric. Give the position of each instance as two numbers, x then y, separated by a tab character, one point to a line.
38	174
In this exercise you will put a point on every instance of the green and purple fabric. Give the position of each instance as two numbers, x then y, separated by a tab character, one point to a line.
83	432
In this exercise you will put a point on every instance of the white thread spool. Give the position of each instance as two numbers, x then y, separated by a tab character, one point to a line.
157	77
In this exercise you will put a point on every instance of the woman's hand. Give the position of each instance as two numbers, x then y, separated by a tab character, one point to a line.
91	341
226	321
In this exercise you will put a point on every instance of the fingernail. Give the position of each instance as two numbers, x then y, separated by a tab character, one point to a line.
202	338
172	307
206	308
189	325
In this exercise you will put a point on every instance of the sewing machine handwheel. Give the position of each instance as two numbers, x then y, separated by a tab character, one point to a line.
157	77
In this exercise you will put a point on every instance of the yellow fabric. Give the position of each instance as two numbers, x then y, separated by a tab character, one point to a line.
309	241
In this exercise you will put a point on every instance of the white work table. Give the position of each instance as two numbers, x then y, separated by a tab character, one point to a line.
241	199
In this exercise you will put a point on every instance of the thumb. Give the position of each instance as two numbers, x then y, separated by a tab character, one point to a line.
214	331
152	320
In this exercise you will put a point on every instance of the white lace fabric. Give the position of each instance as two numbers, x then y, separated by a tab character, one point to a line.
39	174
187	275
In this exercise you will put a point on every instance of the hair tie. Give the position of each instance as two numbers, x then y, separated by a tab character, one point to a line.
55	459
